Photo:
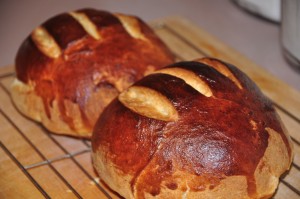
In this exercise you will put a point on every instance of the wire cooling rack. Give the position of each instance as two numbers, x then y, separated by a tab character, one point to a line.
35	163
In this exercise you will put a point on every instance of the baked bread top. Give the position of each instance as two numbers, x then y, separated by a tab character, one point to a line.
69	68
199	129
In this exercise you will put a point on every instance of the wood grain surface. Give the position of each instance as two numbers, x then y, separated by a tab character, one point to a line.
35	163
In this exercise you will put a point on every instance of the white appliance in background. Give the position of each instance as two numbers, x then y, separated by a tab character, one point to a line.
287	13
290	31
269	9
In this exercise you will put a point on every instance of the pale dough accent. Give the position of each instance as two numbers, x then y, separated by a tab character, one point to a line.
150	69
253	124
275	161
149	103
45	42
111	175
87	24
32	106
185	194
190	78
184	181
131	25
221	68
22	97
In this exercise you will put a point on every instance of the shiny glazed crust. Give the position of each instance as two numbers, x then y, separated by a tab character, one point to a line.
75	63
224	139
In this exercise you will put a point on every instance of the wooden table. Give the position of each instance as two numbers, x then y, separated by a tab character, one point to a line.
35	163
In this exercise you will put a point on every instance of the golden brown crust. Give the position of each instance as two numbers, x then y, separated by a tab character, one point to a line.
220	146
74	58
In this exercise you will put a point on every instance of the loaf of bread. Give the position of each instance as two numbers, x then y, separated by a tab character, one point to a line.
194	130
69	68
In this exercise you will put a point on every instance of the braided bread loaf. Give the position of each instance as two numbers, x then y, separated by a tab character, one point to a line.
199	129
75	63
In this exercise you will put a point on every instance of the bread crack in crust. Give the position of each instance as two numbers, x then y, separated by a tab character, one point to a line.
149	103
87	24
71	66
190	78
222	68
45	42
227	140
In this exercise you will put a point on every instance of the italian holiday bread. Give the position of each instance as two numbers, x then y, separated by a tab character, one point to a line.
69	68
199	129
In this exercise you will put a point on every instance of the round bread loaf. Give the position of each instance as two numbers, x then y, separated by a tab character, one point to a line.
69	68
199	129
